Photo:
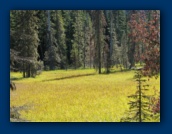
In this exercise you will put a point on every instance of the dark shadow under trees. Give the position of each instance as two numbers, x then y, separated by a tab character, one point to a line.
69	77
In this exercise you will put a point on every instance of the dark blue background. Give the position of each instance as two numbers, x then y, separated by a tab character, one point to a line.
121	128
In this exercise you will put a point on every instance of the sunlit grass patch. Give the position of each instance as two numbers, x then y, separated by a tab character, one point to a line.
75	95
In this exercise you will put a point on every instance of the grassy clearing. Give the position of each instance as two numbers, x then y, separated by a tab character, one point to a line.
75	95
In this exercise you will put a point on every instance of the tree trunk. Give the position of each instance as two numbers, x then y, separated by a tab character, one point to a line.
28	71
24	71
99	42
131	55
84	45
90	51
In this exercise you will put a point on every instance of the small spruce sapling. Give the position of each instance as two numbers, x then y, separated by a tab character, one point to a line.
139	110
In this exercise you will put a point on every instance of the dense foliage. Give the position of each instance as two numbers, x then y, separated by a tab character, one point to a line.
145	34
85	38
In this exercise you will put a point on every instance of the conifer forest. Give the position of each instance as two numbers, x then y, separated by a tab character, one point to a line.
85	66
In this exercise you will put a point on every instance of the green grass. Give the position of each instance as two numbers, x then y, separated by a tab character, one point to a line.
75	95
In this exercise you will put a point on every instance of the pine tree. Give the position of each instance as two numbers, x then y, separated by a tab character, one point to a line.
86	36
13	23
108	41
68	17
60	36
78	41
132	43
99	24
26	41
114	47
52	59
122	23
89	40
139	110
42	28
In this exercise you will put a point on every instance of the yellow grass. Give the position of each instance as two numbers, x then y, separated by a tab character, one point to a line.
75	95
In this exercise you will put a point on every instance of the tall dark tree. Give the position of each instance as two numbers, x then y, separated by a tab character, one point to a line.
61	37
42	28
108	39
78	41
99	24
68	16
132	43
26	40
52	59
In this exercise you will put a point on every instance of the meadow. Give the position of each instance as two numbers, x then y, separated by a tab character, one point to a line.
75	95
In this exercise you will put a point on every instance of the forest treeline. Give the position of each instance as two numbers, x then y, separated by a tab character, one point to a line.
63	39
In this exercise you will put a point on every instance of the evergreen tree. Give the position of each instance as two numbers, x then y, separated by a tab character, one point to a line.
107	44
139	105
60	36
27	41
89	39
13	23
78	41
132	43
88	42
52	59
68	16
99	24
120	23
42	23
113	39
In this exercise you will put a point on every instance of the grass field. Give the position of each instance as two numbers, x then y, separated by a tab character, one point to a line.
75	95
